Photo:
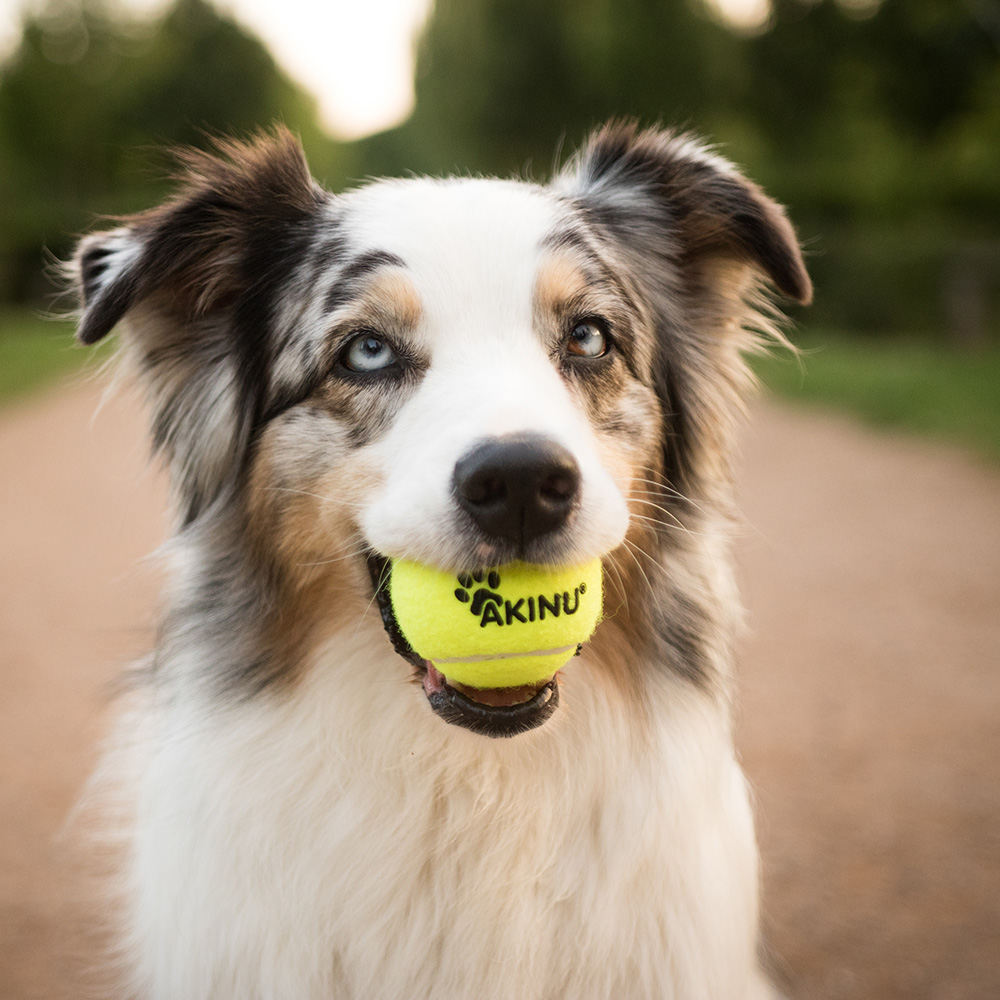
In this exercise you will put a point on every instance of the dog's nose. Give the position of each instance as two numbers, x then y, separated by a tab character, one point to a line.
518	487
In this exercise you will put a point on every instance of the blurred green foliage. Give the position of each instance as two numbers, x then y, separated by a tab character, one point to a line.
876	121
34	351
912	383
91	99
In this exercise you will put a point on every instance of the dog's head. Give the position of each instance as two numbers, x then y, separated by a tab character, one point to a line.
460	372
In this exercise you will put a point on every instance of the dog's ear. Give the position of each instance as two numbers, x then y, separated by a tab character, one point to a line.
225	229
697	242
194	283
669	196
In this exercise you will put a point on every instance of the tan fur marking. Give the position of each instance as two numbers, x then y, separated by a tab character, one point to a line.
395	293
390	301
305	523
559	281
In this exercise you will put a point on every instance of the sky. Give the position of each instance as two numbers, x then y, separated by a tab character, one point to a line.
356	56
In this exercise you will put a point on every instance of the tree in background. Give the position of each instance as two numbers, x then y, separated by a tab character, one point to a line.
882	126
90	92
499	81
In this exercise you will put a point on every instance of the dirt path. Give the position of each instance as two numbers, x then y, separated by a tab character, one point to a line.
870	718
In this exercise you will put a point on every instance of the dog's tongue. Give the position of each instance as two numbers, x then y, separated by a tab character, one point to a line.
434	681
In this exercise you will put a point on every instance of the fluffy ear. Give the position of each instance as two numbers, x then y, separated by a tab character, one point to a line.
696	241
195	282
686	202
232	218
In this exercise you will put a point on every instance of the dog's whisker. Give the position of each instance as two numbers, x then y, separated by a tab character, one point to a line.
658	523
669	494
652	503
660	489
332	501
611	563
678	524
354	554
632	549
658	497
386	571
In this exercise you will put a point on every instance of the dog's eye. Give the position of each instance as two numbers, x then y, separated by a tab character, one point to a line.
589	339
368	352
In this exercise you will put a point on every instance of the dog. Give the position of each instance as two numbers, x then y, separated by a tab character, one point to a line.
462	372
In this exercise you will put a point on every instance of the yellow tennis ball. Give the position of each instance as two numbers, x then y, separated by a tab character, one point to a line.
505	627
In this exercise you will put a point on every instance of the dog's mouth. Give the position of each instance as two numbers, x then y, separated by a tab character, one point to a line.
495	712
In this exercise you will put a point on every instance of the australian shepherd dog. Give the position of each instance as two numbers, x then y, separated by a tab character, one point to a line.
462	372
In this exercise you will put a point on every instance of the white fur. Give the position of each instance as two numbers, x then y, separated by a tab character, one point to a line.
324	853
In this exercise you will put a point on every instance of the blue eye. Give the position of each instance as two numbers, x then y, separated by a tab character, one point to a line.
368	352
588	340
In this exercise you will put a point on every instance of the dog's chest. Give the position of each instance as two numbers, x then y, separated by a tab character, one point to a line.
591	863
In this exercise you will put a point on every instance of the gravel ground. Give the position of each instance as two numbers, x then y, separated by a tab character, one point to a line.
868	720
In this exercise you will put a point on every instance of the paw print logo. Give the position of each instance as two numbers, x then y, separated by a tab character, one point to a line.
483	593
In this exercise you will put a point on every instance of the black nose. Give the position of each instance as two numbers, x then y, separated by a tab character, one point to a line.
518	487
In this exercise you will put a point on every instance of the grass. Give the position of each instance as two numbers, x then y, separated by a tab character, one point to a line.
918	384
35	352
915	383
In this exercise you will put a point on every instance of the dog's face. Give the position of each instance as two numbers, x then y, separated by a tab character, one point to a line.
491	412
460	372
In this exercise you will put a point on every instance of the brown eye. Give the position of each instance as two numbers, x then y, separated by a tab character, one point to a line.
588	339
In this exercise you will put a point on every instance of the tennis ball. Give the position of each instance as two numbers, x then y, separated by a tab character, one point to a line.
505	627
